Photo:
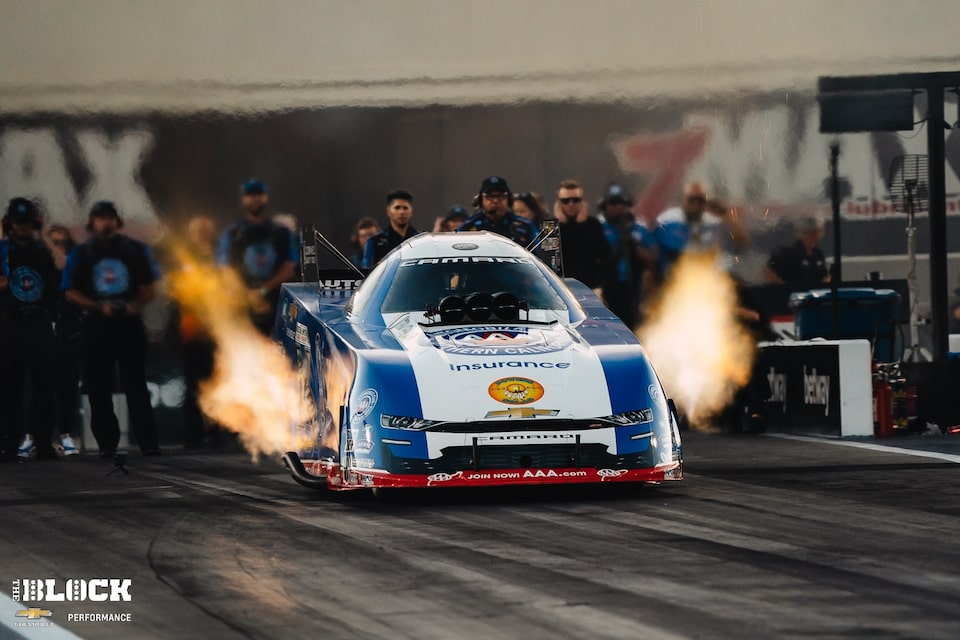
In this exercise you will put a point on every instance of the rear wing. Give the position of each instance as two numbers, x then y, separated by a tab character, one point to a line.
347	278
546	246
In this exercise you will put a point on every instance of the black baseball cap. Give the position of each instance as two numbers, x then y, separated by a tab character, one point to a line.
456	211
253	187
617	194
22	210
494	183
103	209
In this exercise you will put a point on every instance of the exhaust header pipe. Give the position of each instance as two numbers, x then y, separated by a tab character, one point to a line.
291	460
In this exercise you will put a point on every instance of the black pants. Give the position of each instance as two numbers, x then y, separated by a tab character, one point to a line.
623	300
67	381
198	355
120	342
26	389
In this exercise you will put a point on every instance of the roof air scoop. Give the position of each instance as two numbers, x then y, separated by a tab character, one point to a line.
477	307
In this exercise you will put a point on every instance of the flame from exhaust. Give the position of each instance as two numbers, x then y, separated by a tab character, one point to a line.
701	352
254	391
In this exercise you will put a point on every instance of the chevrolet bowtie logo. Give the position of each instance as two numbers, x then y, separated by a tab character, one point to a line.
34	613
522	412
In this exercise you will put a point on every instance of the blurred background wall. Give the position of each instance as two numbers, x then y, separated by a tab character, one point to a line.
166	106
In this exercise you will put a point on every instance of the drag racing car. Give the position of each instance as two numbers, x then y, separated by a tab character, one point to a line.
464	360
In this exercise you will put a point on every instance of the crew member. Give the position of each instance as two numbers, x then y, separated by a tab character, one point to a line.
28	299
399	212
495	214
111	277
262	252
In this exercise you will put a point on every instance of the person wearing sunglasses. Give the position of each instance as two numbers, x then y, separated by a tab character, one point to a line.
583	246
494	213
698	224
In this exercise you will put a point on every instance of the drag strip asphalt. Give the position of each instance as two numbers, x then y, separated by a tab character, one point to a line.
773	537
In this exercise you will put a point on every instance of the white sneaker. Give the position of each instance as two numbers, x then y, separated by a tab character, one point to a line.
26	448
68	447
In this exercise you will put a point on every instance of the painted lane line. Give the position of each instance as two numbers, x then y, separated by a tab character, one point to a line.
884	448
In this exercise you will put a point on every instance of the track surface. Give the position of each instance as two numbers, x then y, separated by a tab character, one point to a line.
767	537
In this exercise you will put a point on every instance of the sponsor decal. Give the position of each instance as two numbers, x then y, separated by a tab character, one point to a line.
302	338
442	477
365	443
480	476
515	390
509	364
778	388
34	613
465	259
340	284
465	246
497	340
366	403
521	412
110	277
656	393
26	284
259	258
816	389
606	474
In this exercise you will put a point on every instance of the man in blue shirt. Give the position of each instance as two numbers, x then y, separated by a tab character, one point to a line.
625	271
262	252
111	278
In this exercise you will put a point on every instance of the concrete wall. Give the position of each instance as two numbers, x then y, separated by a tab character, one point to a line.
238	55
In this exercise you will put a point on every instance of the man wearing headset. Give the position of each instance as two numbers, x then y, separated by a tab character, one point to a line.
111	277
495	214
28	299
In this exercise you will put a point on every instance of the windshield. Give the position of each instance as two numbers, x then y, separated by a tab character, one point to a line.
424	281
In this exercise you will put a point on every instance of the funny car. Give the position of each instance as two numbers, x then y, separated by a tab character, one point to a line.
462	359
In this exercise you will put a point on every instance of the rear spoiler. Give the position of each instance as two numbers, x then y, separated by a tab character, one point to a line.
546	246
347	279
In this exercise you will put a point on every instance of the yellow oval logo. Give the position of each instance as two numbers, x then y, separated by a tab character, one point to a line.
515	390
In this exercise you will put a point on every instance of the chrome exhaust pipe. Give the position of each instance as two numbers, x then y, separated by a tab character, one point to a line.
291	460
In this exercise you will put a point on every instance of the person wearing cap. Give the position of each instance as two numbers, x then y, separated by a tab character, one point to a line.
111	277
583	245
698	224
453	218
28	299
399	213
495	214
261	251
365	228
625	272
802	263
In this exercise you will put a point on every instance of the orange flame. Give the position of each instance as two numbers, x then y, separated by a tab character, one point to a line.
702	354
254	391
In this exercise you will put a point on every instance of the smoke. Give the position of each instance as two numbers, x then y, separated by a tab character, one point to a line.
694	338
254	390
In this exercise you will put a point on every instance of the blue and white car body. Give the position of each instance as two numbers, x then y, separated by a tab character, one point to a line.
422	379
